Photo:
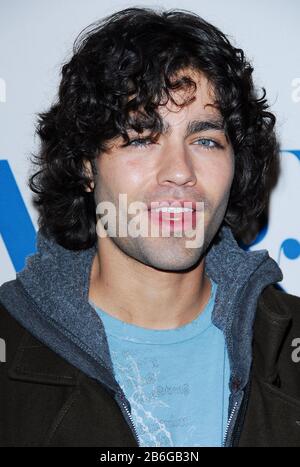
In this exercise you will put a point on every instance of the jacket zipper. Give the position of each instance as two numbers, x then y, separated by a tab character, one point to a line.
241	415
128	417
229	421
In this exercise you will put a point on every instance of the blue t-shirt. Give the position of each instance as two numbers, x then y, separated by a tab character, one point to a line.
176	380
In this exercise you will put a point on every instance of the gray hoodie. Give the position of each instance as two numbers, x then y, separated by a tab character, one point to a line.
49	298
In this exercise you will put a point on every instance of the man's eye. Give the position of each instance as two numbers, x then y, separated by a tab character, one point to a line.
209	143
140	142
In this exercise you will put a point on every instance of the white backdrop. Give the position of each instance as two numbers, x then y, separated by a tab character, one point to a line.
37	36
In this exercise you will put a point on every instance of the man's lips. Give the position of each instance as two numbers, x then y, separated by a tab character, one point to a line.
184	203
185	219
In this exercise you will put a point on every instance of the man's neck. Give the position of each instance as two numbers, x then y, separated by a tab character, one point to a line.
144	296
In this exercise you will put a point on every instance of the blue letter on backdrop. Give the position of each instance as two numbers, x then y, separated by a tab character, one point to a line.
16	227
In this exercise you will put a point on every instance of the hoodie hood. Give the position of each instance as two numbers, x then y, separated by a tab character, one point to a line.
49	298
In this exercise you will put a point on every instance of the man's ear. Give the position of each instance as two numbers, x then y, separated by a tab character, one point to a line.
89	173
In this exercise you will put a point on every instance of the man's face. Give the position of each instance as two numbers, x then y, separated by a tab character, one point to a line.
187	162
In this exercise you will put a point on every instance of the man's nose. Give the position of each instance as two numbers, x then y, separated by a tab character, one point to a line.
176	166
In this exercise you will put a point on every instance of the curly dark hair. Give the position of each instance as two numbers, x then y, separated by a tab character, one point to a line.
136	52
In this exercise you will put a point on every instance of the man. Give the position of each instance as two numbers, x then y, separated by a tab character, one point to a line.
141	338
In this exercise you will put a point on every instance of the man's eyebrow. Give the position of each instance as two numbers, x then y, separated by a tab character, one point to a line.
196	126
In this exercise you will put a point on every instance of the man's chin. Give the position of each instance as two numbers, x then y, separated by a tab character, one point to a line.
161	253
174	266
171	257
